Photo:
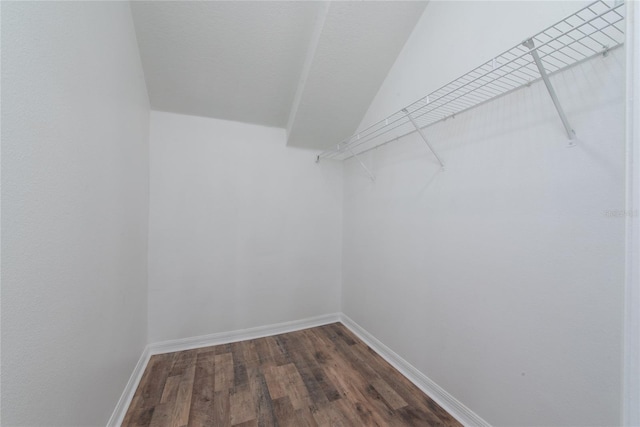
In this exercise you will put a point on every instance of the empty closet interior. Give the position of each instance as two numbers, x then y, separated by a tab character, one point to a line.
452	181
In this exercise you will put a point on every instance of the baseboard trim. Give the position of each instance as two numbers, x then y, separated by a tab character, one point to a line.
242	334
449	403
127	395
205	341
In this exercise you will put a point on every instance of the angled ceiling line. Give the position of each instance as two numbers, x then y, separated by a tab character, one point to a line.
306	69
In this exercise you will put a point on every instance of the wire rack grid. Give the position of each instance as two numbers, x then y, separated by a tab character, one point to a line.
593	30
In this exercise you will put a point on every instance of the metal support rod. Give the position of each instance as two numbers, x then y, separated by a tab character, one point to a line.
552	93
371	176
423	136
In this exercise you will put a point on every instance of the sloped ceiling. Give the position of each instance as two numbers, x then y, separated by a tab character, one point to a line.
310	67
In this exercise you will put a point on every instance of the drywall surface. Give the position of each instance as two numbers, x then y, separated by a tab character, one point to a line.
500	278
243	230
335	92
452	39
631	369
75	122
233	60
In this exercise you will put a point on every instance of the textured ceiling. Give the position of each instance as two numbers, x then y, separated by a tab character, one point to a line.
312	67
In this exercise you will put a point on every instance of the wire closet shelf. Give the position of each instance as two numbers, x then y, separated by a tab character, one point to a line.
594	30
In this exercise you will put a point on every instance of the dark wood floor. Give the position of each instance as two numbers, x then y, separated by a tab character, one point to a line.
323	376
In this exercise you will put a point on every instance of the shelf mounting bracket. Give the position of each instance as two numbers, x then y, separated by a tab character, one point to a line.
423	136
366	169
529	44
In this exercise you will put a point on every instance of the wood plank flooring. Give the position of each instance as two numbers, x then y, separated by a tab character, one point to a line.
322	376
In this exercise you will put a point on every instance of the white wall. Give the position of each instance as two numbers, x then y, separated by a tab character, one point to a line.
631	386
452	38
75	121
500	278
243	230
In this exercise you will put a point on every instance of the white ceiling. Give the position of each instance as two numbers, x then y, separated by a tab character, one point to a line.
312	67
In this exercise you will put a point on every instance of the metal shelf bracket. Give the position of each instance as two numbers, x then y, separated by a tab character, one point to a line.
366	169
529	44
423	136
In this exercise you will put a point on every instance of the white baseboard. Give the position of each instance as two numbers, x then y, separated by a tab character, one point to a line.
127	395
205	341
242	334
449	403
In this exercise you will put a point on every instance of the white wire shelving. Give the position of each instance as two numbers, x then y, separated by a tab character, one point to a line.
593	30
